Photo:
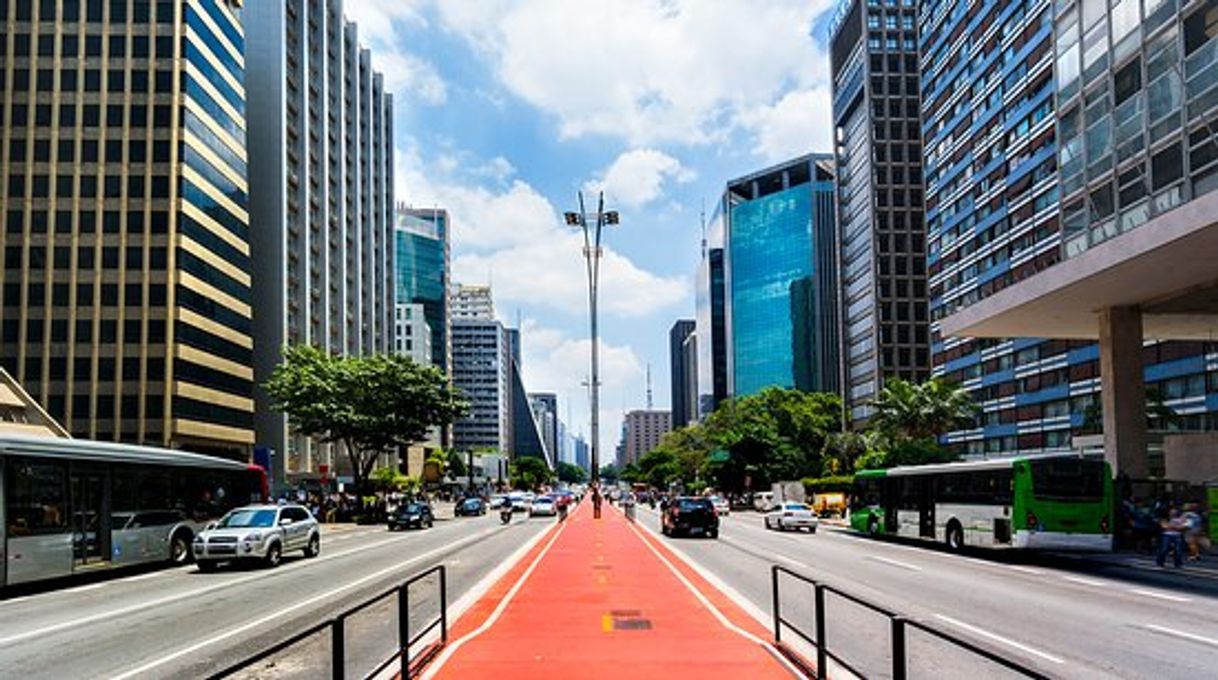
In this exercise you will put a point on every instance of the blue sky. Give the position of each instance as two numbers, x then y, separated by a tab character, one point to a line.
505	109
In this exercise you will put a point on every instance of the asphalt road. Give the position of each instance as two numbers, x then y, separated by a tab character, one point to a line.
1062	618
180	622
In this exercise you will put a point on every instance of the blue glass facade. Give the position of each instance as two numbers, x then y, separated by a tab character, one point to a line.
421	276
777	334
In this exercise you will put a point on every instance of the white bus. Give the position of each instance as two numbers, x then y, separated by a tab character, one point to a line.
69	506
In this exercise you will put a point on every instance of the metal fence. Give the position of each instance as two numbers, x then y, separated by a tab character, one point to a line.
899	628
337	627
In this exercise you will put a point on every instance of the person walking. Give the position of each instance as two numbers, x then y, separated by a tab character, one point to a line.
596	502
1171	539
1192	531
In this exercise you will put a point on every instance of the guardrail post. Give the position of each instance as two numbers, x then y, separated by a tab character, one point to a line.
443	605
774	603
822	652
404	629
899	669
338	650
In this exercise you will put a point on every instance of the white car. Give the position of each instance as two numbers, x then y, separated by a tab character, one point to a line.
258	532
543	505
519	501
791	515
722	508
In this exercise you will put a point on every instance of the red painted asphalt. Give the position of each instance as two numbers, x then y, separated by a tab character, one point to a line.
595	599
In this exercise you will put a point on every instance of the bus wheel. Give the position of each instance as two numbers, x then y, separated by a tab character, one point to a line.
179	548
955	536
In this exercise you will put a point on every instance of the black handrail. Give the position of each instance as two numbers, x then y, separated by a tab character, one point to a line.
898	623
337	626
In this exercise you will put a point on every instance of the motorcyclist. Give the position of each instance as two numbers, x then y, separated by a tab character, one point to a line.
505	510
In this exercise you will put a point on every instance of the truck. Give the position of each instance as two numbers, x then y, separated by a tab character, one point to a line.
779	493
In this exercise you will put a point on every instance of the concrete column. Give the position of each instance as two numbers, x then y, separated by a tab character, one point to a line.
1123	393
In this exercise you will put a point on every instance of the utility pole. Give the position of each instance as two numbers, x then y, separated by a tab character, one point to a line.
592	258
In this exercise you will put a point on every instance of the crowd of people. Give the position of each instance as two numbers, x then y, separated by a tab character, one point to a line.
1165	528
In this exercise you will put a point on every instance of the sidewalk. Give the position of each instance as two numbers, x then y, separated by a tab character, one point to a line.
596	599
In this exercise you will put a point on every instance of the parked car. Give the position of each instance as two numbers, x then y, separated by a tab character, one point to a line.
792	516
543	506
690	516
258	532
721	506
470	507
415	514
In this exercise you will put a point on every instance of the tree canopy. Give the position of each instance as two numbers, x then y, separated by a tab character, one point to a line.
530	472
571	473
912	411
369	404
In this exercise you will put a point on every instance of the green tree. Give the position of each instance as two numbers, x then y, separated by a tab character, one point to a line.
456	465
369	404
906	411
530	473
610	473
389	478
571	473
776	434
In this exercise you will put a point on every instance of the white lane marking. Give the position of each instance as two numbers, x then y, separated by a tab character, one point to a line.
1182	634
278	614
11	600
448	652
144	577
895	563
122	611
998	638
719	616
1085	581
1021	569
1160	596
81	589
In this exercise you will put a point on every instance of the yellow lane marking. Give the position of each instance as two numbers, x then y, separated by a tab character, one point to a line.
606	623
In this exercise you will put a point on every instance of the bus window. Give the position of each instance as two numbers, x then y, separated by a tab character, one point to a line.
1069	479
36	498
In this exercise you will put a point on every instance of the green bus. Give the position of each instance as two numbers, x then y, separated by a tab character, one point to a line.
1052	501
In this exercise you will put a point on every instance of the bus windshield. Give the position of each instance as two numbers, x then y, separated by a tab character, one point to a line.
1068	479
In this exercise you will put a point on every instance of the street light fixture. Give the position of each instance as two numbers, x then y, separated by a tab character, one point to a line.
592	258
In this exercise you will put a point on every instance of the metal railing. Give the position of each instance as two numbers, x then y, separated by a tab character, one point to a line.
337	627
899	625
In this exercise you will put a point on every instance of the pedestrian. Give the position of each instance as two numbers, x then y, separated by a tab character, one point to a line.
1171	539
596	502
1192	531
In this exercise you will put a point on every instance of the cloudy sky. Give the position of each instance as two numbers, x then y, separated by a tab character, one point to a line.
505	109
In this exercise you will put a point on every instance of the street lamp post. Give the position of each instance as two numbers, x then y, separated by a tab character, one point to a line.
592	258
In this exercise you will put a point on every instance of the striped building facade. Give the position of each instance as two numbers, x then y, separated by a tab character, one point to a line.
127	295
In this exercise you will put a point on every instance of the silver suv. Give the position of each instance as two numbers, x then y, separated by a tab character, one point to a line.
258	532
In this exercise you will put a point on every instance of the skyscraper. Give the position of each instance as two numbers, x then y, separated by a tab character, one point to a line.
123	185
421	266
472	302
544	409
641	432
781	317
683	399
482	371
711	322
321	152
876	109
1027	172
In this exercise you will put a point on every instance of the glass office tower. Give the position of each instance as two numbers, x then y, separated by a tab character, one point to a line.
776	309
422	274
126	270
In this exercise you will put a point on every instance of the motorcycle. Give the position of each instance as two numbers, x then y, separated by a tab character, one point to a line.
505	513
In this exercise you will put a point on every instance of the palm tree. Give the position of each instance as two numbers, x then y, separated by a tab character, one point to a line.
911	411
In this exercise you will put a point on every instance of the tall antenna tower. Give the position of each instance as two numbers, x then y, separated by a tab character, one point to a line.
649	402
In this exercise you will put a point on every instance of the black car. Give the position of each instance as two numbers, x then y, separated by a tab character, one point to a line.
470	507
413	514
690	516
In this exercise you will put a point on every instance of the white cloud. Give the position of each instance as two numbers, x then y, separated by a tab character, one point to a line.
636	177
794	125
515	235
650	72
